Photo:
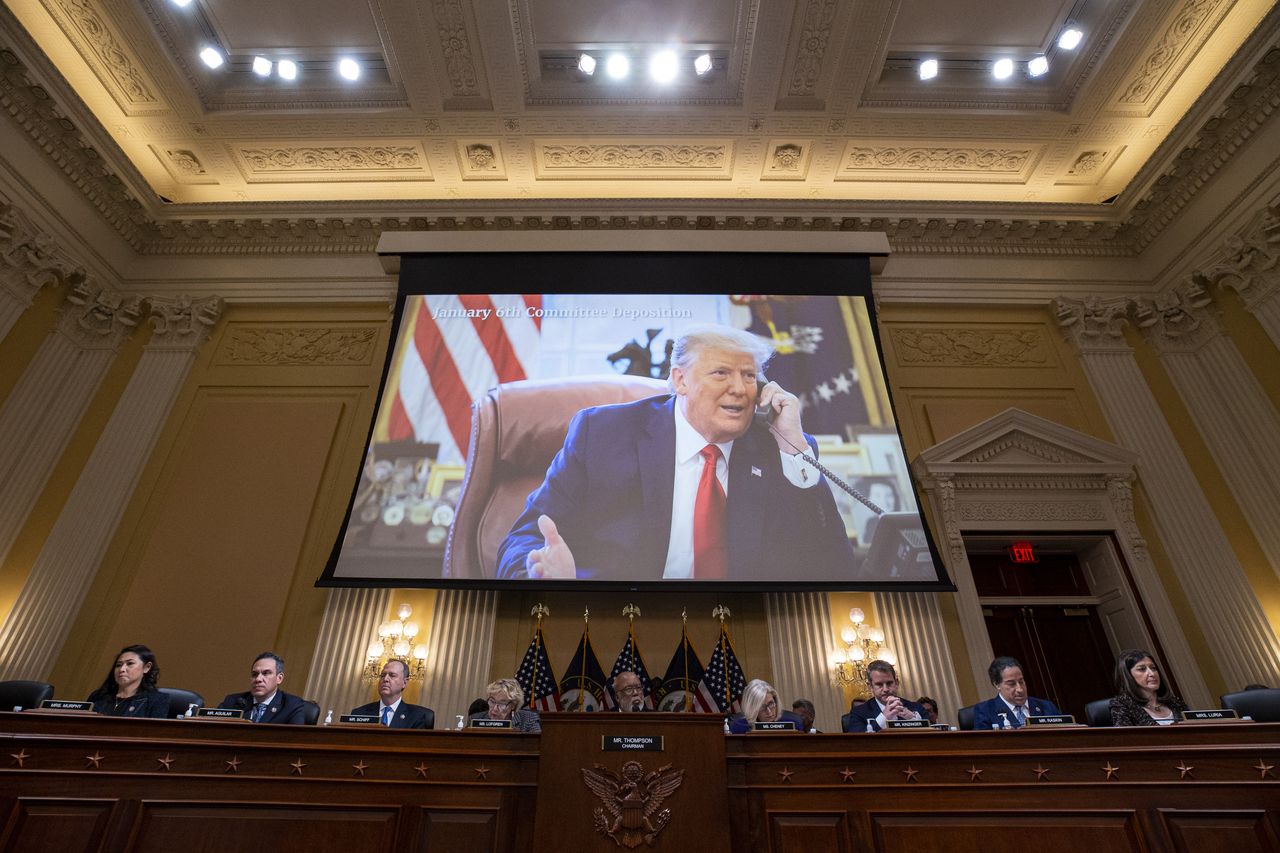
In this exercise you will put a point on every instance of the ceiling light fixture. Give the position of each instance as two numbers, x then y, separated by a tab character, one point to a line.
663	66
1070	38
928	69
182	4
262	66
211	57
617	66
1037	66
287	69
587	64
349	69
702	65
1002	68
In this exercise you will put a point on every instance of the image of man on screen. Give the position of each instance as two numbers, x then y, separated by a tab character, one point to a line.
694	484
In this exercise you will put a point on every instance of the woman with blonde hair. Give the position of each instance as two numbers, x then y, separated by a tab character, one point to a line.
505	700
760	705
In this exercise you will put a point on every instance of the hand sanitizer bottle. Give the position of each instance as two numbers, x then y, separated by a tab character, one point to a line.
328	718
460	723
191	709
1004	721
871	729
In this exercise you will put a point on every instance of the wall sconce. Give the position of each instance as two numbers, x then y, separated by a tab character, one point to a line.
395	642
862	645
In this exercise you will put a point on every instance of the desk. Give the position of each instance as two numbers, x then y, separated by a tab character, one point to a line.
71	783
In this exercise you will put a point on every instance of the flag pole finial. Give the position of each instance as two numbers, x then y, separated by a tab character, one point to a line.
586	615
684	615
722	613
631	612
538	611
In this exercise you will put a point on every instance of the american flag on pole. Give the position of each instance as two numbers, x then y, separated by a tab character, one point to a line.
451	354
724	680
629	659
536	678
682	688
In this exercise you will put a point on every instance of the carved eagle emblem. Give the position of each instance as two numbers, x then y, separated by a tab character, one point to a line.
631	809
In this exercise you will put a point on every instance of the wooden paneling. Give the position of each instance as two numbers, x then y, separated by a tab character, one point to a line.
166	827
63	825
445	830
791	832
991	831
1232	831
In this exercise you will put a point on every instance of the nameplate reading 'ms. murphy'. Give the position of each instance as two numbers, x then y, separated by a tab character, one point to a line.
631	743
908	724
1211	714
491	724
1051	720
61	705
220	713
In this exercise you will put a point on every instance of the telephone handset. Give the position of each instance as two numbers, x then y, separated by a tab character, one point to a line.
765	415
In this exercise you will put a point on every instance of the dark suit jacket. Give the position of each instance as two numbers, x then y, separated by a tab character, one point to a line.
145	703
609	491
407	716
284	708
987	713
859	715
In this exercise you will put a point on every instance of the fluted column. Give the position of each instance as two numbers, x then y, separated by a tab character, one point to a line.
45	406
459	651
28	262
351	619
1227	403
32	635
1231	619
800	642
913	628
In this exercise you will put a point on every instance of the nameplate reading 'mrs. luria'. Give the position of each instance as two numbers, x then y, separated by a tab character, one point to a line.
631	743
908	724
1051	720
1211	714
774	726
220	713
490	724
60	705
360	719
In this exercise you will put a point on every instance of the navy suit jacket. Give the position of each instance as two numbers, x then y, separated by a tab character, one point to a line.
406	717
859	715
988	712
284	708
609	491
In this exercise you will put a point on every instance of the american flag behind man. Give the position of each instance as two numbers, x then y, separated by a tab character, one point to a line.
629	659
724	680
536	677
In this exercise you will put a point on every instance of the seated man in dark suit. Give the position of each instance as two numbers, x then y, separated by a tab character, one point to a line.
266	702
390	710
1011	702
884	704
630	692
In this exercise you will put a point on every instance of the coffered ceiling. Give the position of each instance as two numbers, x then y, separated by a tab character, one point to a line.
477	103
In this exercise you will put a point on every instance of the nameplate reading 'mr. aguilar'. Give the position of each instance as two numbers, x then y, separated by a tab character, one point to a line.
908	724
490	724
1052	720
631	743
60	705
361	719
774	726
220	713
1212	714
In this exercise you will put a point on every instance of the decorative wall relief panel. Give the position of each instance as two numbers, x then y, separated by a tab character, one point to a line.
972	347
356	161
907	161
700	159
288	345
110	56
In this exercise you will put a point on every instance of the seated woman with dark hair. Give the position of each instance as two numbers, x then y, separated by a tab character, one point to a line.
505	702
760	705
129	689
1143	698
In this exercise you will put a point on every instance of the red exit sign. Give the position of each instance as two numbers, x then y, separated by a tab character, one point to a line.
1022	552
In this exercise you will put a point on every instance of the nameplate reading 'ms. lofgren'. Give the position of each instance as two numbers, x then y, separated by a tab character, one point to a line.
631	743
491	724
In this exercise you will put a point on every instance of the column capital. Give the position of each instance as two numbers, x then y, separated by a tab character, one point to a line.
1094	324
1249	262
182	322
97	318
29	258
1180	320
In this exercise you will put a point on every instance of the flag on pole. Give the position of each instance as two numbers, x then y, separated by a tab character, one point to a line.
682	688
724	680
630	659
536	677
582	686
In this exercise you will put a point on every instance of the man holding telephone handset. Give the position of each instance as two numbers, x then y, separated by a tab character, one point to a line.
705	483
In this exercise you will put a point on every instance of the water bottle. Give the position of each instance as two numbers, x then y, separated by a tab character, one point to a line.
17	708
459	724
871	729
328	718
191	709
726	726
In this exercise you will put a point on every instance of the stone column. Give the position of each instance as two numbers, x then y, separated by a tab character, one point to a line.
799	643
1231	619
28	262
45	406
32	635
351	619
459	652
913	629
1227	403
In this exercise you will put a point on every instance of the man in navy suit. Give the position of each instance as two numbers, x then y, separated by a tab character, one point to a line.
266	702
390	709
624	498
884	704
1011	702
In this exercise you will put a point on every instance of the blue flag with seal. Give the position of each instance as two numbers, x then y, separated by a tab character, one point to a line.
582	687
682	689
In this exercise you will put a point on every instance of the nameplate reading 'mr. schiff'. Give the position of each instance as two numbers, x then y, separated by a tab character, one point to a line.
631	743
60	705
220	713
490	724
908	724
359	719
1052	720
1211	714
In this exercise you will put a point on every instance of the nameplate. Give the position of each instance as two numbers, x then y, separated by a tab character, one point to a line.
1212	714
361	719
220	713
1052	720
60	705
631	743
490	724
908	724
774	726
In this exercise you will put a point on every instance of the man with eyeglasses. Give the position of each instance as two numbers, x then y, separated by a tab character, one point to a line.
390	709
630	692
1011	706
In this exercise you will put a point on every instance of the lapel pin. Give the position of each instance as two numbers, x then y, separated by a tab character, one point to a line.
755	472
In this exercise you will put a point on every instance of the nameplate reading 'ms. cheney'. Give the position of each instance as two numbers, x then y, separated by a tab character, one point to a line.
774	726
908	724
60	705
1211	714
1051	720
631	743
490	724
220	713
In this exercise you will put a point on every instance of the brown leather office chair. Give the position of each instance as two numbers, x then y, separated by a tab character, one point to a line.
516	430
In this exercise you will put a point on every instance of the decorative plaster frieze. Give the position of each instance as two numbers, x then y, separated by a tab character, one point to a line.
455	45
270	346
815	36
674	159
1162	62
1094	324
1044	510
117	68
907	162
971	347
1027	445
342	162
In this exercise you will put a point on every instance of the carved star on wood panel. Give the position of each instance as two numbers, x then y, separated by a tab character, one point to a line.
359	767
20	757
166	761
1112	772
95	760
297	766
910	773
975	775
1040	772
785	774
1264	769
233	764
846	775
422	769
482	772
1184	769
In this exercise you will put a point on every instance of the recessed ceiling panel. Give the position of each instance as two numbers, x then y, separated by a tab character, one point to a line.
301	25
978	26
632	21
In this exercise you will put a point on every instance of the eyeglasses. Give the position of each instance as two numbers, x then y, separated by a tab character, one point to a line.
494	703
633	688
771	704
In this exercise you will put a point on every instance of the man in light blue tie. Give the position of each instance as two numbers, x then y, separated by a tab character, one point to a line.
390	709
1011	702
266	702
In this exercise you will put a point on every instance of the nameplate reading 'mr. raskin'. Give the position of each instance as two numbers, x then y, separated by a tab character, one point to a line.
631	743
908	724
360	719
490	724
1051	720
1211	714
61	705
220	713
774	726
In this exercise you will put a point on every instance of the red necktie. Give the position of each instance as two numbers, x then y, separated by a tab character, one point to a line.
710	557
